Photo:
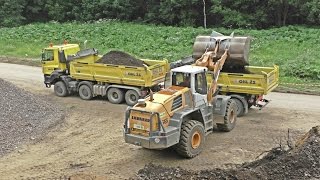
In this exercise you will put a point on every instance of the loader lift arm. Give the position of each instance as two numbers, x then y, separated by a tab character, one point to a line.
208	59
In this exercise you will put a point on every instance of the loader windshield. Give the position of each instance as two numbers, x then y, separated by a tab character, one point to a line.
181	79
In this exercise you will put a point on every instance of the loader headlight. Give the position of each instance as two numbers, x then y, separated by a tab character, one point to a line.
157	140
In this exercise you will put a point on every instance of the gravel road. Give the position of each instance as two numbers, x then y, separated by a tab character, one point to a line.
90	140
23	116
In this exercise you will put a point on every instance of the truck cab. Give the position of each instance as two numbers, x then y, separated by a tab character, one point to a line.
54	57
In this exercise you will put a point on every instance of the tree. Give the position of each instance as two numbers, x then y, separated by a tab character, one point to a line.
11	12
35	11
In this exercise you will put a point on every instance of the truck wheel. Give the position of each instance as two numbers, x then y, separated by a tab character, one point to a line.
192	139
60	89
240	107
85	92
230	118
115	95
131	97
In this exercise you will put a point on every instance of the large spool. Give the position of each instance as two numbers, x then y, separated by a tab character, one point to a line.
238	49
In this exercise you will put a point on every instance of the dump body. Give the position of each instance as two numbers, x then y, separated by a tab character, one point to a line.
150	75
260	81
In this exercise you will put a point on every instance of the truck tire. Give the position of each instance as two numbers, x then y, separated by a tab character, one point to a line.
115	95
60	89
230	117
131	97
240	107
85	92
192	138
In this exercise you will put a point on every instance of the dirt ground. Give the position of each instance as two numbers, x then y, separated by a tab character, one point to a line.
90	142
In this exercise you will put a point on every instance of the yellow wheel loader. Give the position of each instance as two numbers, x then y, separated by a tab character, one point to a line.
182	114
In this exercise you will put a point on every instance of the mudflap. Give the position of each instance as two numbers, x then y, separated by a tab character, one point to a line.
219	104
262	103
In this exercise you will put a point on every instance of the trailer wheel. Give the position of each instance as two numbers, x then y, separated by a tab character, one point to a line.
240	107
230	118
60	89
115	95
131	97
85	92
192	139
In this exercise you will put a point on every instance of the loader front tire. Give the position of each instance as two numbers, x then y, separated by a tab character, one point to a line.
192	138
115	96
85	92
230	117
60	89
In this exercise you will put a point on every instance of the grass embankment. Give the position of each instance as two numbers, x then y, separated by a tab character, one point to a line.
294	49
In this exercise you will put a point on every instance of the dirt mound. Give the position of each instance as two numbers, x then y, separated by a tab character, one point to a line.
120	58
23	116
301	162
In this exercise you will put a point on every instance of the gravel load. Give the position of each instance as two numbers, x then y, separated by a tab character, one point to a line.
301	162
23	116
120	58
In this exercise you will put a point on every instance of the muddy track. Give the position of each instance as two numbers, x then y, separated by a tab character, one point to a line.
91	143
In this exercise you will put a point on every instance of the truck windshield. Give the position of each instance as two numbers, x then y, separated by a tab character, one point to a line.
47	55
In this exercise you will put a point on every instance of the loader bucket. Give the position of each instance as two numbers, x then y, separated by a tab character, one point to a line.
238	48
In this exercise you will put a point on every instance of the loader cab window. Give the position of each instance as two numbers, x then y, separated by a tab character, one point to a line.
181	79
47	55
201	83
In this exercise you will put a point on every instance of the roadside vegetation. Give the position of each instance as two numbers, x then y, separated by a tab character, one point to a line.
294	48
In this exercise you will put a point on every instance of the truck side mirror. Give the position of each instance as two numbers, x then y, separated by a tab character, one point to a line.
43	56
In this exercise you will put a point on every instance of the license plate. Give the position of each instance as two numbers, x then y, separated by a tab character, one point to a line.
138	126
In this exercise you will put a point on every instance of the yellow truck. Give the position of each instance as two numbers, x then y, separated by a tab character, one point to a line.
248	89
71	70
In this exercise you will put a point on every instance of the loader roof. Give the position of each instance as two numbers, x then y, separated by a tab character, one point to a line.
190	69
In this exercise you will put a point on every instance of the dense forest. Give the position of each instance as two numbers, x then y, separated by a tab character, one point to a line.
227	13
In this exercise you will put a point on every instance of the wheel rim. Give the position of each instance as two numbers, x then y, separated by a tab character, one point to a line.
232	116
196	140
115	95
85	92
133	98
59	90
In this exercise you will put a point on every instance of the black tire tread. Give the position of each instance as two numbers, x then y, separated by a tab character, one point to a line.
63	86
225	127
182	146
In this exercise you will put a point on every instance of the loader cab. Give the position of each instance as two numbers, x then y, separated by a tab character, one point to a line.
193	77
54	57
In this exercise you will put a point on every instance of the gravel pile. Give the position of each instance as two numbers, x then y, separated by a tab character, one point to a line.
23	116
301	162
120	58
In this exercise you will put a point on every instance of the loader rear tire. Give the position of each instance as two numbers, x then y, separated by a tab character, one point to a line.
230	117
131	97
60	89
85	92
192	138
115	96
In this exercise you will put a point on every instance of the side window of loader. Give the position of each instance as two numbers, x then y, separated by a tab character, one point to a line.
48	56
201	83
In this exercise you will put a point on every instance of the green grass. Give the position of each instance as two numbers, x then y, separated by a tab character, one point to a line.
294	49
